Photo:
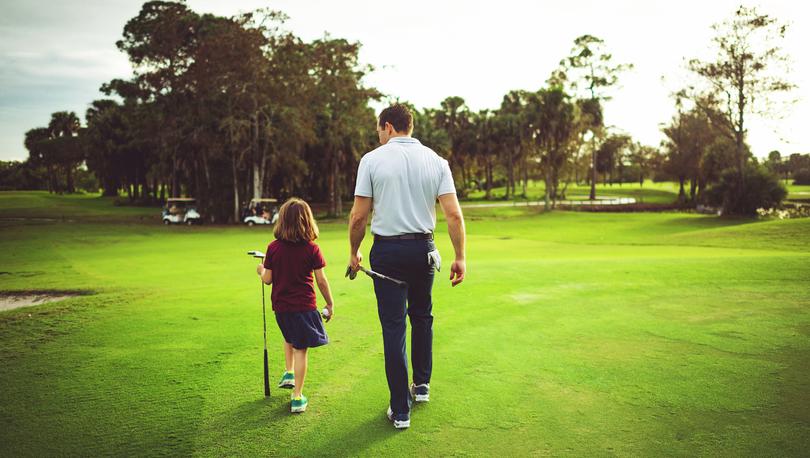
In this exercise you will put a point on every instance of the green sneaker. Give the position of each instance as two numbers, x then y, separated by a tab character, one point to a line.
287	380
298	405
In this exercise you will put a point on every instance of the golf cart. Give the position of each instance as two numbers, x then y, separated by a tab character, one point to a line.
181	211
260	211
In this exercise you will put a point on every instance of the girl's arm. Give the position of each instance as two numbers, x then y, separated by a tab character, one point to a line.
323	286
266	274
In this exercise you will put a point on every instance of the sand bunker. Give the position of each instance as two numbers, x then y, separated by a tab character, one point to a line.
9	301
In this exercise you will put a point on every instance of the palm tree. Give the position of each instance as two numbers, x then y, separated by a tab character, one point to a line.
64	126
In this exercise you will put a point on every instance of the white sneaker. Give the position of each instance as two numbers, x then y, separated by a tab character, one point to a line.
420	393
398	424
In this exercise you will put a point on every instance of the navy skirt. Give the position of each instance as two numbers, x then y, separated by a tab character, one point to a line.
302	329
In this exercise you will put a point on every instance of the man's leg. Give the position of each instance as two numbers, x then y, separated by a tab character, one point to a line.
420	308
391	309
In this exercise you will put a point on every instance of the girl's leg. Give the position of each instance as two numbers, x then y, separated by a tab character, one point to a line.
300	357
288	357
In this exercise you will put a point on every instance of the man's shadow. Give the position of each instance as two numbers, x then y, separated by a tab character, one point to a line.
353	439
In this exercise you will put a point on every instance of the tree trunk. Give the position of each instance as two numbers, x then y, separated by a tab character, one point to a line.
332	186
593	172
681	192
175	187
338	191
510	181
525	175
488	174
235	177
69	174
693	184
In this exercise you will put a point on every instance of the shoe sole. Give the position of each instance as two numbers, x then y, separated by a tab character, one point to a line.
402	424
298	409
286	385
421	397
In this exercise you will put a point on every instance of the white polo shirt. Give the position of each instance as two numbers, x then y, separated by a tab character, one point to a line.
404	178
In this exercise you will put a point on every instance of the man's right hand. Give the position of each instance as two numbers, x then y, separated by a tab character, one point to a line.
457	271
355	260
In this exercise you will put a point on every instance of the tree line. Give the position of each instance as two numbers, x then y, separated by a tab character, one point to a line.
230	108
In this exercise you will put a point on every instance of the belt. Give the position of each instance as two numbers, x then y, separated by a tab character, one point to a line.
417	236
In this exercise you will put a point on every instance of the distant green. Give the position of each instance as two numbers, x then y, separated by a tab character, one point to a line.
580	334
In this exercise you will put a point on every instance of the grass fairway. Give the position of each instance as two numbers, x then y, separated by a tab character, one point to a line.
574	334
650	192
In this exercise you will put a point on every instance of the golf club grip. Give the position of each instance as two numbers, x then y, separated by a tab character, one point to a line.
266	375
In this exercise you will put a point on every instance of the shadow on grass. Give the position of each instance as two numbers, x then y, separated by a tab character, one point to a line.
262	414
709	222
355	440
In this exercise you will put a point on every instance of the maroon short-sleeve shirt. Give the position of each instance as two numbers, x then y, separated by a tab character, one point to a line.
292	265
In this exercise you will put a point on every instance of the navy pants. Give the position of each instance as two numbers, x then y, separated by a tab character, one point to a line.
404	260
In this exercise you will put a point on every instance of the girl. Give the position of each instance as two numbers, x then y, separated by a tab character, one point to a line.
288	264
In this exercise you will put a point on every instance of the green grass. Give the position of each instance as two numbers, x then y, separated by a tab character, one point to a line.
650	192
574	334
41	205
798	191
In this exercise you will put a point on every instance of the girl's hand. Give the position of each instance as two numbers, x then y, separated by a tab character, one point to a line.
331	310
259	269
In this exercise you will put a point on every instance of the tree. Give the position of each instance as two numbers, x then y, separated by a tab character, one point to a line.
688	137
454	117
342	113
610	155
747	71
589	72
64	146
511	128
551	116
776	165
642	157
39	155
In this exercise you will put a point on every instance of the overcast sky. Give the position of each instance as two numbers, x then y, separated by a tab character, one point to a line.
54	55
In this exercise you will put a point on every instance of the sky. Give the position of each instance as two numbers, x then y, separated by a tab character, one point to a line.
54	55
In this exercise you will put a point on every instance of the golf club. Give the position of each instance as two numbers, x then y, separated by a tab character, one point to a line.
259	254
352	275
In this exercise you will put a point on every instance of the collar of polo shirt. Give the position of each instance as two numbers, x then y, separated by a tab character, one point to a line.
403	140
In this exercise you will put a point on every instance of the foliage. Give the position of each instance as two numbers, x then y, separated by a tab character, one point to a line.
743	196
802	177
744	76
16	175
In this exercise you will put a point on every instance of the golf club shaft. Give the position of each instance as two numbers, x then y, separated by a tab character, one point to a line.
371	273
266	365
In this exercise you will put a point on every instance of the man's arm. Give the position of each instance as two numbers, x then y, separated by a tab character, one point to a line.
455	226
357	229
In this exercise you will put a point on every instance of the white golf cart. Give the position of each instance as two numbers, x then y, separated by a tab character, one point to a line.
181	210
260	211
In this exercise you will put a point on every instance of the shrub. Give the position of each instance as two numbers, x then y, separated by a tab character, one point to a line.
760	190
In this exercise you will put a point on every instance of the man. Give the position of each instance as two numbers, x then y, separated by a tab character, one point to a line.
401	180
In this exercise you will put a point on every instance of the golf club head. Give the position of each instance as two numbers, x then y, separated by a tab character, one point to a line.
350	273
256	254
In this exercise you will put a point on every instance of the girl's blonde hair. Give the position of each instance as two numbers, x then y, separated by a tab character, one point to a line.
295	222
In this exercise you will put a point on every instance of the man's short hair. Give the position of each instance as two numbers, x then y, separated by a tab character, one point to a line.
398	116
